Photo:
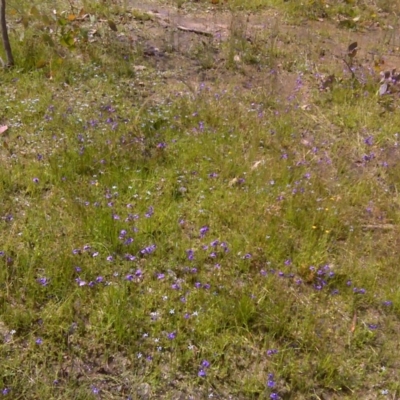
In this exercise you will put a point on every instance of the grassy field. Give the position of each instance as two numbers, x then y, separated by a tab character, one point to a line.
200	201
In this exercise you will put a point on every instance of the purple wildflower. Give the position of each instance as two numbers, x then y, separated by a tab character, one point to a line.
202	373
369	141
203	230
190	254
149	212
171	335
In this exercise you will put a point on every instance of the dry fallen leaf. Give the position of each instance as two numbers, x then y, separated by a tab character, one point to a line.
257	164
3	129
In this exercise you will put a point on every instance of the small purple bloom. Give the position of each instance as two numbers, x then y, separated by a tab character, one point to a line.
369	140
171	335
149	212
128	241
95	390
205	364
271	352
202	373
43	281
190	254
271	384
35	180
204	230
39	341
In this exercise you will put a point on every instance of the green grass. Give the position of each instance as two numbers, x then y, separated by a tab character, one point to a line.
159	242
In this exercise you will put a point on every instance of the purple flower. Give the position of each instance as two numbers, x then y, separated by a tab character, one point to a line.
197	285
247	256
203	230
149	212
129	277
175	286
148	250
39	341
35	180
43	281
80	282
205	364
190	254
274	396
160	276
202	373
271	352
128	241
171	335
95	390
5	391
369	140
387	303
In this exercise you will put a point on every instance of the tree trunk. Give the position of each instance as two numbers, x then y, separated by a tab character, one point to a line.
4	34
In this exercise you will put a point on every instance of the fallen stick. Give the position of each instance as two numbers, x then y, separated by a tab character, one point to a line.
193	30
